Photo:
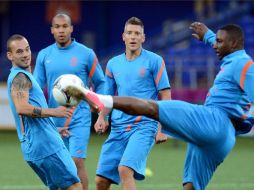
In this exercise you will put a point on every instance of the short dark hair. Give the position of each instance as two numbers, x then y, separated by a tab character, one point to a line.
234	32
62	14
13	38
134	21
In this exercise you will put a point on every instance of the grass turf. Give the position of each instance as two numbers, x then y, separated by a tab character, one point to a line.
166	161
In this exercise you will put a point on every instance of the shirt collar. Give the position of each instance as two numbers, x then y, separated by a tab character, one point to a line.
69	46
234	54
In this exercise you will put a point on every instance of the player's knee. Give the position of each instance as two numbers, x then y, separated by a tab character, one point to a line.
188	186
153	109
79	162
102	183
76	186
125	172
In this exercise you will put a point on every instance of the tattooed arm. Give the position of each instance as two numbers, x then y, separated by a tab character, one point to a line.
21	85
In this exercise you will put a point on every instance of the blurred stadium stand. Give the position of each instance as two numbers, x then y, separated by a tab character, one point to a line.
99	24
191	65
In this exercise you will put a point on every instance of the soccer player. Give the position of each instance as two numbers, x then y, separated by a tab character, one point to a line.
66	56
41	144
139	73
210	129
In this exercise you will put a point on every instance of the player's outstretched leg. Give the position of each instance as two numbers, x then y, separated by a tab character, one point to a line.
96	101
105	103
136	106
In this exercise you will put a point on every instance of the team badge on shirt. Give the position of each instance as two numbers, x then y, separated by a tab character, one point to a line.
74	61
142	72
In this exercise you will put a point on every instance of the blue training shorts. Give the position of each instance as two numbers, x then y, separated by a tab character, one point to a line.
78	140
57	170
128	148
208	131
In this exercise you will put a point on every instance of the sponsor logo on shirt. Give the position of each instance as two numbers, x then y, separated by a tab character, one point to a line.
48	61
116	74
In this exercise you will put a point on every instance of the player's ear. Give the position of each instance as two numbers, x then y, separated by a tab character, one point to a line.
9	55
52	32
234	44
144	38
71	28
123	37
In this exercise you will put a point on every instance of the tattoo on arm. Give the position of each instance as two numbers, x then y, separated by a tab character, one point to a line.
21	83
20	95
36	112
20	86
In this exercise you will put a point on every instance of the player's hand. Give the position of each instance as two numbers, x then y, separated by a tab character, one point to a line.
64	132
101	125
62	111
199	30
160	138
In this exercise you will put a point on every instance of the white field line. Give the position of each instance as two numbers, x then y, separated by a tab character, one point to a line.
245	186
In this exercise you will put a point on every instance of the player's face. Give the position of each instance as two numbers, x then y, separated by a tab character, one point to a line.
223	45
133	37
62	29
20	54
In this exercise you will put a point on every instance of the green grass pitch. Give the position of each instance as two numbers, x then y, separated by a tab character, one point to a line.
166	162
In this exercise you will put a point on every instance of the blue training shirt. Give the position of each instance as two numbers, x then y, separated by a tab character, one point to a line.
142	77
77	59
39	137
233	89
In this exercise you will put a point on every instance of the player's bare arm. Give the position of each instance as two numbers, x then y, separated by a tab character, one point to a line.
199	30
20	93
165	94
160	137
